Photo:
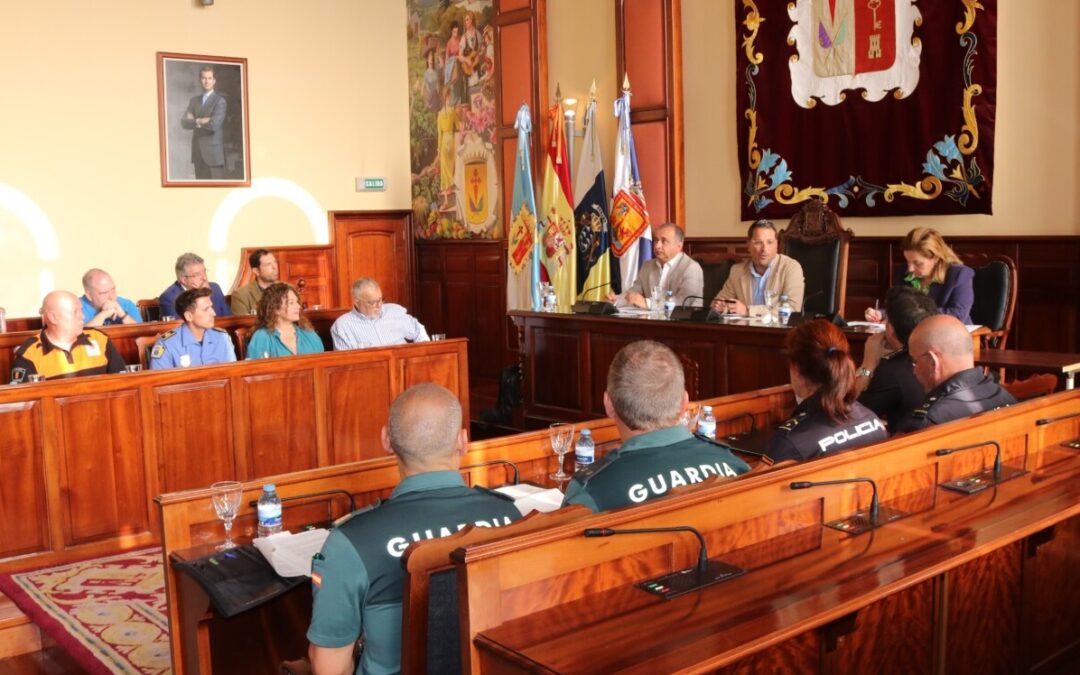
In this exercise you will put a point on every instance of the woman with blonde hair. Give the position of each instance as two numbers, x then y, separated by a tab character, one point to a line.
281	329
933	268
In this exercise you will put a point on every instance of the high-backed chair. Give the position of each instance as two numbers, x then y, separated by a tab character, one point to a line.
715	275
150	309
995	295
817	240
144	343
241	335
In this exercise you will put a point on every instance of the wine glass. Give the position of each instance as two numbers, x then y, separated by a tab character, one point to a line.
689	417
560	434
226	498
770	306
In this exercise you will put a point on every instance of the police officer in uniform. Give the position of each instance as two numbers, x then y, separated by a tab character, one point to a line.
828	419
885	382
357	578
944	360
197	342
645	397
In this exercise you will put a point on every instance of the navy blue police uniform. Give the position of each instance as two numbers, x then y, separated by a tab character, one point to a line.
893	391
964	394
809	432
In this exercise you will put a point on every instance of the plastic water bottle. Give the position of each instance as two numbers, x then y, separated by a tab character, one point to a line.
669	304
269	511
707	424
784	312
584	451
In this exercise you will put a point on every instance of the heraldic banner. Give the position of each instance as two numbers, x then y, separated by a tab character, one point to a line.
880	107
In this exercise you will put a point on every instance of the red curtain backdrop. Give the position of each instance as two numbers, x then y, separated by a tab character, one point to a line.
915	139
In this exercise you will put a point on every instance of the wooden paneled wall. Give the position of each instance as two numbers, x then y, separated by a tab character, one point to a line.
82	458
648	49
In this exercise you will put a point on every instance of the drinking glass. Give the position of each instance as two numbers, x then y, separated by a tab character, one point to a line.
226	498
657	298
689	418
770	306
561	435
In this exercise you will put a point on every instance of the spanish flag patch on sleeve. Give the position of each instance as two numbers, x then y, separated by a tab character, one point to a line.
316	579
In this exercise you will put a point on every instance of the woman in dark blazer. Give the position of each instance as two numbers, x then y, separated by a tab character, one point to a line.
934	269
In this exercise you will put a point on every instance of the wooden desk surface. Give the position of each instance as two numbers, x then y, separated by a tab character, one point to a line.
1015	358
626	630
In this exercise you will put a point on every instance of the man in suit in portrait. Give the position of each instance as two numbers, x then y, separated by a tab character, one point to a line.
205	117
670	269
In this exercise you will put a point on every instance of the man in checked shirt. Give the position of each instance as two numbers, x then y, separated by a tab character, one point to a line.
374	323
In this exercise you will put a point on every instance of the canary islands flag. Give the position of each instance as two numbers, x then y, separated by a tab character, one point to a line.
598	270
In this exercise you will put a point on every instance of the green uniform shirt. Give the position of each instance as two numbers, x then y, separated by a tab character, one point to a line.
647	466
357	579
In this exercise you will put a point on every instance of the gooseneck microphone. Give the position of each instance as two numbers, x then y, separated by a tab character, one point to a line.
598	307
703	554
595	288
692	297
1051	420
997	454
802	485
495	462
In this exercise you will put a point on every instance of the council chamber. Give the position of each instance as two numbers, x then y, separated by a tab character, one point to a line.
540	336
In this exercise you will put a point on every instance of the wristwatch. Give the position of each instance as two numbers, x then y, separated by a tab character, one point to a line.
864	372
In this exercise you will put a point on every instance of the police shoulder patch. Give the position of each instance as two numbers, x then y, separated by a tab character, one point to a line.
924	409
158	351
167	334
790	424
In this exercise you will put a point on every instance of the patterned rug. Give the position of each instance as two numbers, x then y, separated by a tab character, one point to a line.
108	613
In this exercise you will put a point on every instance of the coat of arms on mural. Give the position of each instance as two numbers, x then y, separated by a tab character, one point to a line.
455	185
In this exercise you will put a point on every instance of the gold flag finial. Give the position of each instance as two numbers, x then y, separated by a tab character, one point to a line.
558	92
626	82
592	90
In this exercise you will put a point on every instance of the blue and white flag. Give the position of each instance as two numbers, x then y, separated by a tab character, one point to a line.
631	236
523	256
598	269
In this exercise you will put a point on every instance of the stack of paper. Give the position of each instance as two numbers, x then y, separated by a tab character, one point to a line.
290	554
529	498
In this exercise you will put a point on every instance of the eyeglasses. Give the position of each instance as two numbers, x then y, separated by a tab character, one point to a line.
372	303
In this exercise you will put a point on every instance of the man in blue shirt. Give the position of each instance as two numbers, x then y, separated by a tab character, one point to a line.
191	273
197	342
100	303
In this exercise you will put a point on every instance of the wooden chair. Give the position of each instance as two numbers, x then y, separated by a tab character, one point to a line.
144	344
995	295
815	238
150	309
431	639
241	335
1032	387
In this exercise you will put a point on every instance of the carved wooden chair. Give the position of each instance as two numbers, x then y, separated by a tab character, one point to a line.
815	238
150	309
144	343
995	295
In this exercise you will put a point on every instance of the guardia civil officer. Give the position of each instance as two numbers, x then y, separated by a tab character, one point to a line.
828	419
357	577
645	397
943	356
197	342
885	382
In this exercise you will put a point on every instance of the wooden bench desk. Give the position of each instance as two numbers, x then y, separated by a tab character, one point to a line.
1027	361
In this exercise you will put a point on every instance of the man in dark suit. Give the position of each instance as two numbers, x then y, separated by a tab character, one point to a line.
205	117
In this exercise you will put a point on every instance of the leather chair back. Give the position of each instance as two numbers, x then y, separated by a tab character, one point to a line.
995	286
715	276
819	242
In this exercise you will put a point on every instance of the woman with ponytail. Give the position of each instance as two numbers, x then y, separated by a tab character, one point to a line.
828	419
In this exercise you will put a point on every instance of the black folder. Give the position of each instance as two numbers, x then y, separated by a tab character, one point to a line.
237	579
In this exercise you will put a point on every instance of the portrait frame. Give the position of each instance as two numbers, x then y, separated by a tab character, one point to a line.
219	141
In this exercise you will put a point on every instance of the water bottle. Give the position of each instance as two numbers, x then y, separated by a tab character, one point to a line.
669	304
785	310
552	299
584	451
269	511
707	424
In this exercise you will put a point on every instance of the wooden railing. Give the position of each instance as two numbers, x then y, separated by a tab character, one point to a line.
82	458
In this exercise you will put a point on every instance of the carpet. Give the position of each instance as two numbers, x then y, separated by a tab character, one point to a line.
108	613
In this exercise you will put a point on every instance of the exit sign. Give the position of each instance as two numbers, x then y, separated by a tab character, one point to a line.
370	184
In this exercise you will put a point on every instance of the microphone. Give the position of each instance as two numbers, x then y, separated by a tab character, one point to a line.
703	554
1051	420
874	507
493	462
597	307
668	586
692	297
997	454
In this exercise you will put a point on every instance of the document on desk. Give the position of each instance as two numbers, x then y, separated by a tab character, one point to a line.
290	554
529	498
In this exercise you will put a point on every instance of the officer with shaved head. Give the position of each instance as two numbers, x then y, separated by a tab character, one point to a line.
63	348
943	356
357	577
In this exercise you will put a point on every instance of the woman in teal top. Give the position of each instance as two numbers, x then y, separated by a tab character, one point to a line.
281	330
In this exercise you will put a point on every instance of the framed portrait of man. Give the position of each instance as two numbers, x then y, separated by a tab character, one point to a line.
203	120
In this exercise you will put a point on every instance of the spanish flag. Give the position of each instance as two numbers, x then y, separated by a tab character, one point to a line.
557	234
